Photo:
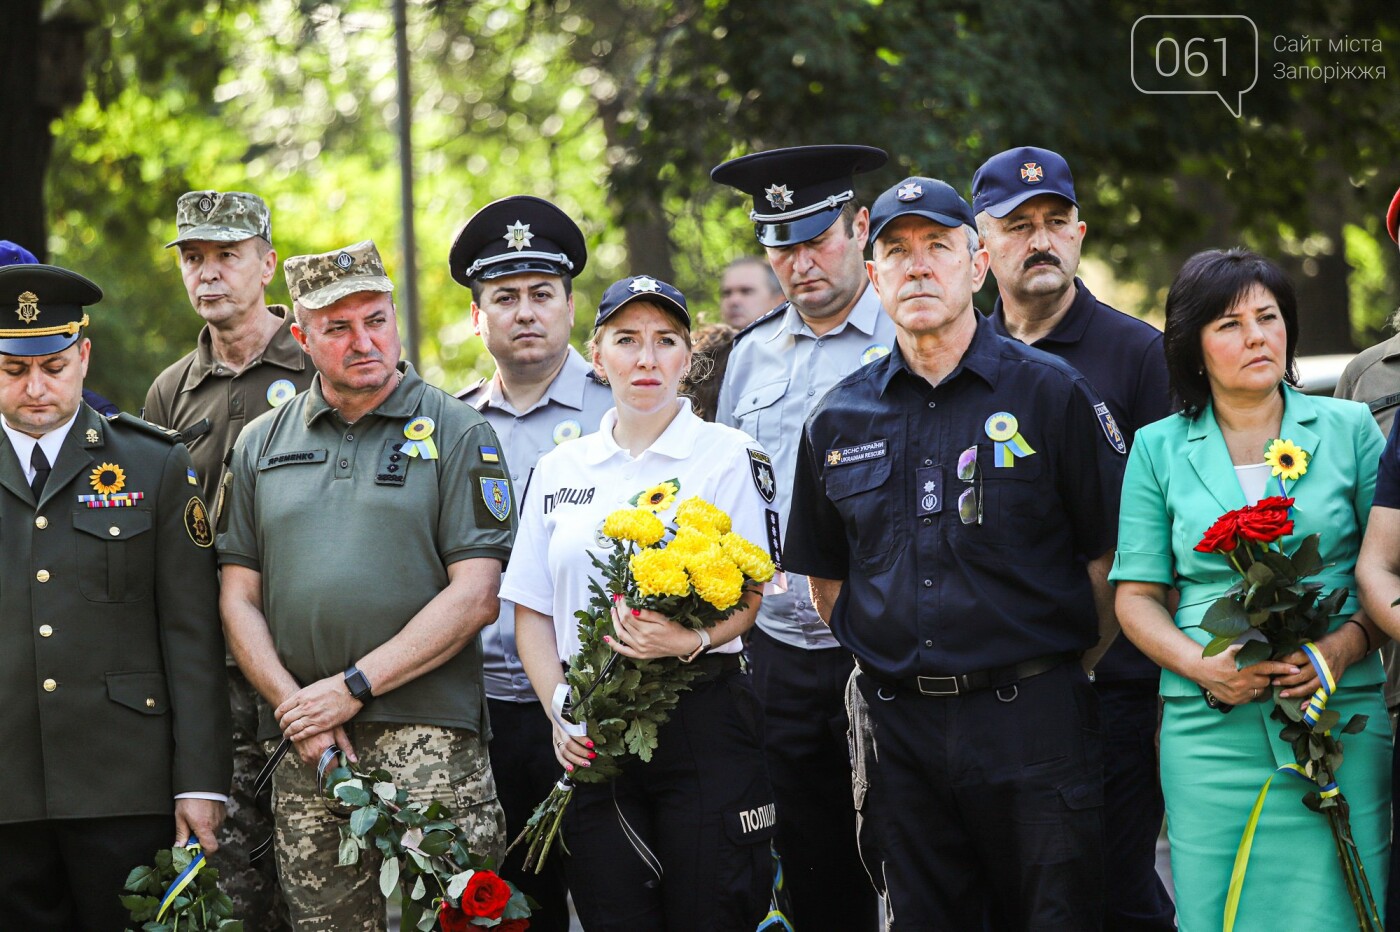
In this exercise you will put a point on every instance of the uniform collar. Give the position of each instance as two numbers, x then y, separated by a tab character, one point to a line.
982	357
1071	327
863	317
64	458
568	388
677	441
402	401
282	350
1392	348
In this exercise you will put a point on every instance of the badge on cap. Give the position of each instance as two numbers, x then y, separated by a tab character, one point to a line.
910	192
1004	430
419	432
778	196
643	283
206	204
568	430
873	352
28	309
496	494
1032	173
344	260
518	235
107	478
280	392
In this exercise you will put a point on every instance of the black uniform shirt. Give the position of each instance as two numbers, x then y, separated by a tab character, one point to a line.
875	503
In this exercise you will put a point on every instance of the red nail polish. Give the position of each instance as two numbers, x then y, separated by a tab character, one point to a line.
591	755
636	611
569	767
590	744
617	597
606	639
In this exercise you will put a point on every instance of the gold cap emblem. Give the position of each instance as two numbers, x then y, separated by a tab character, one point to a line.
28	309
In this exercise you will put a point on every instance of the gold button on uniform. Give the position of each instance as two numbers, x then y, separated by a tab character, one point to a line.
114	531
45	631
50	685
41	522
42	576
150	703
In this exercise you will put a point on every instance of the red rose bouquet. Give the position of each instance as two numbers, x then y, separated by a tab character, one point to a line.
1275	599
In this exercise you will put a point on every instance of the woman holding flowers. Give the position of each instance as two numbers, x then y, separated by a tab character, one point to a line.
681	841
1243	435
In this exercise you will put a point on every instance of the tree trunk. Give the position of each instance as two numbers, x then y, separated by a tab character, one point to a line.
25	140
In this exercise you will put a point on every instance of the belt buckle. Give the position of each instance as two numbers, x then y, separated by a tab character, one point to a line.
934	685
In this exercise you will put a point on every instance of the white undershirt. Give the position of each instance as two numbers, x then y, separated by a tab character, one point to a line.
1254	481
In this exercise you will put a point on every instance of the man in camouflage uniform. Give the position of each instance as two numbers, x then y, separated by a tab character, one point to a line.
365	530
245	362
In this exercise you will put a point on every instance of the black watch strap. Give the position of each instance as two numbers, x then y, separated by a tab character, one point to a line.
358	684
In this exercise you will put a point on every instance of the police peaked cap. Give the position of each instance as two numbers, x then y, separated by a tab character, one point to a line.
514	235
47	305
799	192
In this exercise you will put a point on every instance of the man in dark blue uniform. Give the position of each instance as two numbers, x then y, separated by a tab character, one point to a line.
943	498
1028	216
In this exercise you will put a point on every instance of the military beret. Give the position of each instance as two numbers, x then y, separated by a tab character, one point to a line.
49	302
226	217
319	280
514	235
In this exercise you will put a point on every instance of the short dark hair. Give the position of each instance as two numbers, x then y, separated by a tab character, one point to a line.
1207	286
477	285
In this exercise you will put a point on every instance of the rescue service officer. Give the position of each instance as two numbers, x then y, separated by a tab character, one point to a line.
814	231
245	362
114	717
945	499
519	256
370	471
1028	216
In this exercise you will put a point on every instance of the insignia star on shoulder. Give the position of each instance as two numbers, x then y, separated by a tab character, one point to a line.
910	192
518	236
643	283
930	486
779	196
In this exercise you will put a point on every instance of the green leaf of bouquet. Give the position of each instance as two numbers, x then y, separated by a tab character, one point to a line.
231	925
349	852
137	877
420	889
1289	708
1356	725
1217	645
1306	559
427	922
1251	653
1282	566
435	843
1260	573
362	820
1333	603
386	791
140	907
352	794
1329	719
1225	618
388	876
457	885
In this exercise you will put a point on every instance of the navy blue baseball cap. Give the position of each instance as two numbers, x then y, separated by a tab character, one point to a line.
923	197
642	288
514	235
799	192
1010	178
49	302
15	254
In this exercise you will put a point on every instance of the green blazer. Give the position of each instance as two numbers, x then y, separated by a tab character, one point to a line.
1179	480
113	696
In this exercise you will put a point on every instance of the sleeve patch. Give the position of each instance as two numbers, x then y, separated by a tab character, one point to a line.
495	495
1110	428
197	523
761	468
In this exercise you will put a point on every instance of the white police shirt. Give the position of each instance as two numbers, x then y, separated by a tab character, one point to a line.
777	373
572	406
578	485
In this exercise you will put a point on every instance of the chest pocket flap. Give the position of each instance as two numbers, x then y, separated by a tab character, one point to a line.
845	481
755	399
112	523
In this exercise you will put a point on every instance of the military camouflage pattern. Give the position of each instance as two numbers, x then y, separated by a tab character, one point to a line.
257	899
220	217
430	762
317	281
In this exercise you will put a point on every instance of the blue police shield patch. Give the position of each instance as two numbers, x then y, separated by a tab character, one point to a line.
496	494
1110	428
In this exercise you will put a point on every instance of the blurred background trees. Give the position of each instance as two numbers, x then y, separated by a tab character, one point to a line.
617	109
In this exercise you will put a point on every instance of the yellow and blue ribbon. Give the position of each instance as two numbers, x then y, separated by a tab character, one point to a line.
1004	431
419	432
184	879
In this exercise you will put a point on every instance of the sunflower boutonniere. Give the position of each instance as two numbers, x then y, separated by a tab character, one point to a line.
1288	460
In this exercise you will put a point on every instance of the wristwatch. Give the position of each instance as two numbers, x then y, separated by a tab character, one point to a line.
358	684
704	646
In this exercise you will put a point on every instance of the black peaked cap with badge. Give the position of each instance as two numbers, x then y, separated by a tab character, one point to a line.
922	197
1008	179
49	307
642	288
798	192
514	235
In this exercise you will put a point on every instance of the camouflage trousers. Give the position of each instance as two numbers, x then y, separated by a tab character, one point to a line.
257	898
450	765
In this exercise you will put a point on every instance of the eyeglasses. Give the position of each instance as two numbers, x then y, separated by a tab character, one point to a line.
970	501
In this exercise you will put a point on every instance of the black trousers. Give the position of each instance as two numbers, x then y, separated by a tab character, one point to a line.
66	875
1392	887
702	806
803	695
522	760
990	805
1136	899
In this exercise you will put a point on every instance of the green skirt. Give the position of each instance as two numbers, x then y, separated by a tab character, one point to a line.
1212	768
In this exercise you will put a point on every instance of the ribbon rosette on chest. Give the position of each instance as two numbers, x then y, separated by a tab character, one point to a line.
419	432
1005	432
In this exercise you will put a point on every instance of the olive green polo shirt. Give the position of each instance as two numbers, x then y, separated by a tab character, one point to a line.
209	403
353	536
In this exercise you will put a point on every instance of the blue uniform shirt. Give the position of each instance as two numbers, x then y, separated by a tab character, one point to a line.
875	503
1388	475
1123	360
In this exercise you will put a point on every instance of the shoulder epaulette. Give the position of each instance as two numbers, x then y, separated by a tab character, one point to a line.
592	376
781	308
462	395
155	430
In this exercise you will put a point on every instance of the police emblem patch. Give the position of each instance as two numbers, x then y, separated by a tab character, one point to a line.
197	523
761	467
28	309
1110	428
643	283
344	260
1032	173
496	494
778	196
910	192
518	236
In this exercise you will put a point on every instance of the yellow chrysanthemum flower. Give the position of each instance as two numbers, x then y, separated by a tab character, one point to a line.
716	579
689	540
635	524
752	560
1287	459
659	573
659	497
697	513
107	478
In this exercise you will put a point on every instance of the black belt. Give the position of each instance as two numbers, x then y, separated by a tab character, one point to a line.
972	682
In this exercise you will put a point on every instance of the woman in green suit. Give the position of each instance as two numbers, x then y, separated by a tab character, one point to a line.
1231	334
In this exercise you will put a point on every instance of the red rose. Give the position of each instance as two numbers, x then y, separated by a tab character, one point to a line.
1267	521
1222	536
512	925
452	919
486	895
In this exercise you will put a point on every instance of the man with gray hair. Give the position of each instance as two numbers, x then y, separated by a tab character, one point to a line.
388	672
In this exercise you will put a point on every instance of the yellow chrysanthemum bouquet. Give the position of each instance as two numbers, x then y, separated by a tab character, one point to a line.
695	573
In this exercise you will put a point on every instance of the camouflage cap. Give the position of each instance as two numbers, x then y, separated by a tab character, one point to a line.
316	281
225	217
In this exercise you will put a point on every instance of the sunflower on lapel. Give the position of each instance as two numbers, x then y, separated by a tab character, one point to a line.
1288	461
107	479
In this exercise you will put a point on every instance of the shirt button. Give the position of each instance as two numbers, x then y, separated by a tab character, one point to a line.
932	405
927	522
344	464
928	643
928	462
41	522
50	685
349	438
115	531
42	576
45	631
820	342
150	703
811	391
928	583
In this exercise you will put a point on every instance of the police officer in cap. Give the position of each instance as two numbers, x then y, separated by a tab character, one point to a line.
113	713
1028	216
945	500
519	256
813	229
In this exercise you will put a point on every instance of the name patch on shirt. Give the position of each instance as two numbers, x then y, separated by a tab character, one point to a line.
288	459
1110	427
845	456
567	497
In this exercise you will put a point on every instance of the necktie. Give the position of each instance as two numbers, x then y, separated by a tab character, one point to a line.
40	462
